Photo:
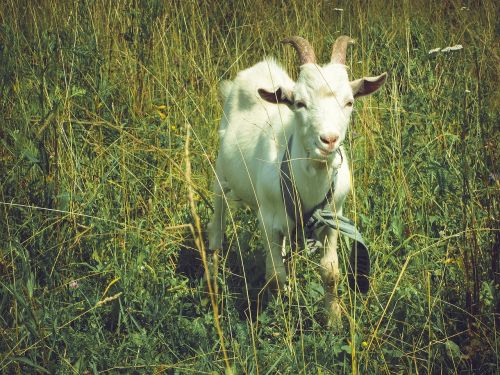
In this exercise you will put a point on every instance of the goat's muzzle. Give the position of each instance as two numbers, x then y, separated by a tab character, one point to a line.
328	141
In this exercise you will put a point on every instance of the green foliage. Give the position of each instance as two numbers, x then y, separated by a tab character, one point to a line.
99	268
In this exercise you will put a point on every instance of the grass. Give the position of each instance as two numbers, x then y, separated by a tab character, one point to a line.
99	239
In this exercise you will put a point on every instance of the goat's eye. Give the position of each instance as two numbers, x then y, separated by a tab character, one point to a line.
349	103
300	104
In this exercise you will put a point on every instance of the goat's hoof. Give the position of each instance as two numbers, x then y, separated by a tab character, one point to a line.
213	266
334	316
275	284
334	324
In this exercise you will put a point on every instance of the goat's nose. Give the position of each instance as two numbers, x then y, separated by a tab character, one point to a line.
329	139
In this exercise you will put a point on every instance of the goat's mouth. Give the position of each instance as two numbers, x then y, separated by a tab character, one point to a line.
323	152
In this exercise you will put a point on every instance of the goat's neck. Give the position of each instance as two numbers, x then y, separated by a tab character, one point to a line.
313	178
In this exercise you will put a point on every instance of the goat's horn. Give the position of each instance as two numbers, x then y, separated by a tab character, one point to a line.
303	48
339	49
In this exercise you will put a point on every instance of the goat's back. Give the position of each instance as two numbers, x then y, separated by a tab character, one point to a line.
253	132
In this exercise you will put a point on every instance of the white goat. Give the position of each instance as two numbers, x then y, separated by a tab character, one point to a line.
263	109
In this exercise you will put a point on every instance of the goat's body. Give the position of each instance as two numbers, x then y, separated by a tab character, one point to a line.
254	140
263	109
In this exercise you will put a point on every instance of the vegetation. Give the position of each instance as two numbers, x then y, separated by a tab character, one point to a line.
101	190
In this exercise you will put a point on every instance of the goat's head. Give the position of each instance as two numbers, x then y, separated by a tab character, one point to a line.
323	97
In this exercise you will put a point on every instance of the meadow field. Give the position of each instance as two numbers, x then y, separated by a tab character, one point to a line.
109	113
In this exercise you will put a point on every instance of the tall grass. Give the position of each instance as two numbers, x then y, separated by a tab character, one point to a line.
99	266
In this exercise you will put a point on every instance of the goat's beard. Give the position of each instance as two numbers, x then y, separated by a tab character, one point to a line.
319	162
318	153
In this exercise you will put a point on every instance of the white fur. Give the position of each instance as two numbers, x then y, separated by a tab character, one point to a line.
254	134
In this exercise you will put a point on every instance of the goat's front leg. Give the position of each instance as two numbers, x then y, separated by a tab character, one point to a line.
273	241
330	275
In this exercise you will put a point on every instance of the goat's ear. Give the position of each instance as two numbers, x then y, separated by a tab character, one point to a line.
280	96
367	85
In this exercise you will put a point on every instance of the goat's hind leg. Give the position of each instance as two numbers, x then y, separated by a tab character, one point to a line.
216	229
217	225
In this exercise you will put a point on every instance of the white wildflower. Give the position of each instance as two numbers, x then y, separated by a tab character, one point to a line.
456	47
73	284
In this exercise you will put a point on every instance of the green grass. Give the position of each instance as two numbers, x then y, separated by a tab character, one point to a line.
98	238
